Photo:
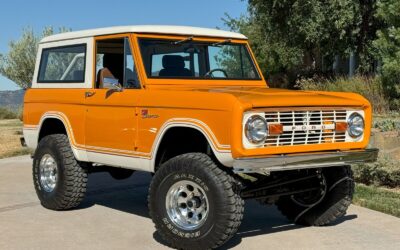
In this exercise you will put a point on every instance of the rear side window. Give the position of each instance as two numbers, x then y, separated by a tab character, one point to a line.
63	64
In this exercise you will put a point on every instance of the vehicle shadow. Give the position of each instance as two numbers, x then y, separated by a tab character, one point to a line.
263	220
130	196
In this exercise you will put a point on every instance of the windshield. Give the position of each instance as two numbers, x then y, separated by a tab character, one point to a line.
197	60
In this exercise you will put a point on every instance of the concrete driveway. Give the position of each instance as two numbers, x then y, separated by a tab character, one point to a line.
114	216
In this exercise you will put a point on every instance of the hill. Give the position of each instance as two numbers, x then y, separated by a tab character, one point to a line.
11	99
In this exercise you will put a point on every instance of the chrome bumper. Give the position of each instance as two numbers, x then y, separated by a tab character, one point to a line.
303	161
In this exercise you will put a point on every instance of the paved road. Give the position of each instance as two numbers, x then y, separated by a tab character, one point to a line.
114	216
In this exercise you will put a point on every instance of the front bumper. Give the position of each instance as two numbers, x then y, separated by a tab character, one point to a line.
303	161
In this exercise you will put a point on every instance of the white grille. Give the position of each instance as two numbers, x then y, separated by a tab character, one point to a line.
305	127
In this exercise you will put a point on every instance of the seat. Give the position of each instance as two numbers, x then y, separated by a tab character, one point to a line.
103	73
174	65
113	67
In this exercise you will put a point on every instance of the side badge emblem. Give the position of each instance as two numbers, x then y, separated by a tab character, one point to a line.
145	114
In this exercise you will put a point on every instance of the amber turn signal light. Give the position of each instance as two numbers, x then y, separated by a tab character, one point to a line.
275	129
341	127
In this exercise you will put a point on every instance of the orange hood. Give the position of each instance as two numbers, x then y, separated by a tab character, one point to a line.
258	97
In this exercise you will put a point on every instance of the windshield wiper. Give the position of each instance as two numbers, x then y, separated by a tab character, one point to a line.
222	43
189	39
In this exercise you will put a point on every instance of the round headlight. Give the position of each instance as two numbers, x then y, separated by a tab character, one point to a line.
355	125
256	129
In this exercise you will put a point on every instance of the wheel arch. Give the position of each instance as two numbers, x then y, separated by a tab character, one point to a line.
57	124
189	130
51	125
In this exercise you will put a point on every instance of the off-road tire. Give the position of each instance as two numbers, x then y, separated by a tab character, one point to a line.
120	173
225	209
70	186
339	194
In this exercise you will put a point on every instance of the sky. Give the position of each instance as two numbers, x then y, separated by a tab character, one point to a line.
87	14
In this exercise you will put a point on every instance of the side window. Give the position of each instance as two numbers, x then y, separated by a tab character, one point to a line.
131	80
115	65
63	64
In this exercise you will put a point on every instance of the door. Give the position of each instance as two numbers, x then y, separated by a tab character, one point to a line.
111	121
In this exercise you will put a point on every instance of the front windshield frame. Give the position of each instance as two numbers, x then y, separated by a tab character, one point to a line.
201	41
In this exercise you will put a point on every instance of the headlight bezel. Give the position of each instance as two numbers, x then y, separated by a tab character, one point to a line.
249	125
352	132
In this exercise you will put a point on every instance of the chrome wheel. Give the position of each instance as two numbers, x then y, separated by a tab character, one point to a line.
187	205
48	173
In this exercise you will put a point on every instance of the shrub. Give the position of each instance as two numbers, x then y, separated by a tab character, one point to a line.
369	87
20	113
387	124
387	48
384	172
7	114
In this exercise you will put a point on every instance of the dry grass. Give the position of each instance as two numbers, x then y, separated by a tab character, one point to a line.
10	132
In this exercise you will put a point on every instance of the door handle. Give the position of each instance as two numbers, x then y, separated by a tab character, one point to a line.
89	94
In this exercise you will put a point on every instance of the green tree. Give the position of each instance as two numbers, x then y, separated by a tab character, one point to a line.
388	48
294	37
19	63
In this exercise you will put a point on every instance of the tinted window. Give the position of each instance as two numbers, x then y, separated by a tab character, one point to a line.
63	64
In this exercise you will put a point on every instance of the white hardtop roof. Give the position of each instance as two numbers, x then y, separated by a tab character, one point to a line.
155	29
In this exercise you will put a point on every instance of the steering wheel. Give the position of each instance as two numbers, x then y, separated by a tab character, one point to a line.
210	73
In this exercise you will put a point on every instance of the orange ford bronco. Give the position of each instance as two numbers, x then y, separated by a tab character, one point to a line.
191	106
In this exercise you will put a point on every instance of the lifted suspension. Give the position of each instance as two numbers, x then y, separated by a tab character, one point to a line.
276	186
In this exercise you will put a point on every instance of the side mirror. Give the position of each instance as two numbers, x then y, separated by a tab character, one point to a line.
112	83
